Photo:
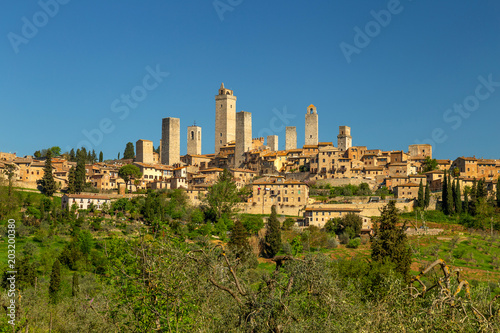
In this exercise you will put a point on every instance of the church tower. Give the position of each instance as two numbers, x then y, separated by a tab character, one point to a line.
311	126
194	140
225	117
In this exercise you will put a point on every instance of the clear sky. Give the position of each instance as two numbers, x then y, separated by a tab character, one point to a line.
396	72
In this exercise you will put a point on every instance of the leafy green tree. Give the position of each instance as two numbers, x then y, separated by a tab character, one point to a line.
273	234
129	172
427	198
37	154
421	198
129	151
238	241
453	193
253	223
481	189
55	280
72	156
118	156
390	242
101	157
47	182
466	200
429	164
288	223
221	198
473	192
56	151
449	197
350	224
458	198
331	225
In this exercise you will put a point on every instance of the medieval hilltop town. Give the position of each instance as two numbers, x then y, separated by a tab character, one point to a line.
283	178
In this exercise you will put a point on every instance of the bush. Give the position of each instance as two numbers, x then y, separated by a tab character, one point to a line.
354	243
287	248
344	238
332	243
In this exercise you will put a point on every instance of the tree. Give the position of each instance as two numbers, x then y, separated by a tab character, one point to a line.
288	223
427	198
458	198
129	151
9	171
129	172
56	151
253	223
94	156
47	182
80	170
37	154
118	156
473	192
273	234
390	242
429	164
466	200
72	180
454	193
481	189
498	192
449	197
72	156
55	280
349	224
444	195
101	157
238	240
222	197
421	199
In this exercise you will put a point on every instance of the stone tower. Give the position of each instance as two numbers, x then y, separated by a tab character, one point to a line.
291	137
243	137
344	139
194	140
170	141
144	151
272	142
225	117
311	126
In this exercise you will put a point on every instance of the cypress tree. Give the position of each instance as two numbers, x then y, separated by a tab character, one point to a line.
94	156
80	171
129	151
72	155
449	197
473	192
498	192
466	200
101	157
453	193
75	287
421	199
238	241
48	183
481	189
55	280
390	242
458	198
273	234
72	180
427	199
444	194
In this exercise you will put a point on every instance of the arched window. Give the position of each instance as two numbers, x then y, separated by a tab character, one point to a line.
192	135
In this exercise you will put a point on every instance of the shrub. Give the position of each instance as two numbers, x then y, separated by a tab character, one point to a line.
344	238
332	243
354	243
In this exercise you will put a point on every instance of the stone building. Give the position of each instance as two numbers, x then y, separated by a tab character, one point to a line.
344	139
424	150
272	142
170	141
194	140
225	117
243	137
311	131
144	151
291	138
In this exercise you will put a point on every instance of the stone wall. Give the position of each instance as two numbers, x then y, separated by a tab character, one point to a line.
291	138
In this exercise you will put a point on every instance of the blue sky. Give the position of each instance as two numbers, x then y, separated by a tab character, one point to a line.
395	83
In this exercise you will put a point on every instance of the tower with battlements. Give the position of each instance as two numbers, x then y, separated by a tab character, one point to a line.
170	141
225	117
344	139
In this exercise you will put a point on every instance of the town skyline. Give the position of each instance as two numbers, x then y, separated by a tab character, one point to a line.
400	84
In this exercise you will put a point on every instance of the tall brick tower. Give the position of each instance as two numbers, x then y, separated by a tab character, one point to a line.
344	139
243	137
225	117
311	126
170	141
194	140
291	138
144	151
